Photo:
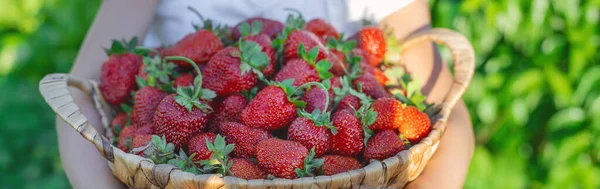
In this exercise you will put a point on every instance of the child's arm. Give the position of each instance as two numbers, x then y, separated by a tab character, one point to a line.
448	166
116	19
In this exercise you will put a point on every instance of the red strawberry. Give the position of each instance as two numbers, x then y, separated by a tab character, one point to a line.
321	29
372	41
197	145
199	47
371	87
349	102
233	70
299	70
119	122
338	62
228	110
307	133
246	169
264	41
383	145
415	124
243	137
271	109
349	140
141	141
315	98
376	72
184	80
117	76
125	138
285	159
176	122
334	164
144	130
146	100
308	39
269	27
389	114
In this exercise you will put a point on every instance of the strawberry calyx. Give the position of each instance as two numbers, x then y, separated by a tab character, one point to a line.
319	118
341	45
292	23
158	150
412	95
159	74
219	158
355	69
310	163
252	58
185	163
290	91
122	47
221	31
188	97
247	30
322	66
250	94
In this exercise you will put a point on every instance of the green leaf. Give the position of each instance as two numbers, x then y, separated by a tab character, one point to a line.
313	53
244	29
244	67
208	94
301	51
256	27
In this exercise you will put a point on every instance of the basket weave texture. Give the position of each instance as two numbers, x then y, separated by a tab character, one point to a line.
139	172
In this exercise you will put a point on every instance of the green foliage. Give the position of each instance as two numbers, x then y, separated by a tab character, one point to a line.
535	93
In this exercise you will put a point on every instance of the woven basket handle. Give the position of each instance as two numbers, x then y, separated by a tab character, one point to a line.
55	90
462	53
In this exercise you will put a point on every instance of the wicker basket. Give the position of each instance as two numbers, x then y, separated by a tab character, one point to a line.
138	172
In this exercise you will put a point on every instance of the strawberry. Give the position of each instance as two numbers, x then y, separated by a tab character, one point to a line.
180	115
321	29
233	70
376	72
146	100
125	138
286	159
382	145
219	158
246	169
306	69
141	141
272	108
349	138
265	42
117	75
315	99
372	41
197	145
334	164
118	123
338	62
370	86
310	41
389	114
349	102
144	130
269	27
228	110
312	132
199	47
415	124
184	80
243	137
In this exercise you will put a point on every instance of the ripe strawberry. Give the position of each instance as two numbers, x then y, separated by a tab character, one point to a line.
125	138
269	27
370	86
197	145
349	102
382	145
272	108
246	169
372	41
265	42
146	100
285	159
349	140
199	47
228	110
233	70
338	62
243	137
311	133
141	141
180	115
184	80
321	29
308	39
118	123
376	72
415	124
117	75
306	69
389	114
144	130
334	164
315	98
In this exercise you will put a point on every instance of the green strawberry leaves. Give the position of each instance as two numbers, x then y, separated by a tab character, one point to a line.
188	97
122	47
340	45
252	58
413	96
158	150
292	23
322	66
222	31
158	72
247	30
310	163
185	163
219	160
320	119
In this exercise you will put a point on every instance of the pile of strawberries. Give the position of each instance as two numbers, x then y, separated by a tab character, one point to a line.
262	99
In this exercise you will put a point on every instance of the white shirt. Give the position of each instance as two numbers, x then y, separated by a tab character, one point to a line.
173	20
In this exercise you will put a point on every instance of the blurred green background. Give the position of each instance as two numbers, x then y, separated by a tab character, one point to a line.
534	99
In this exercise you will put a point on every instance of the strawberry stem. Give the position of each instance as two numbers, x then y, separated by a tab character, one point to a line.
320	85
198	78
